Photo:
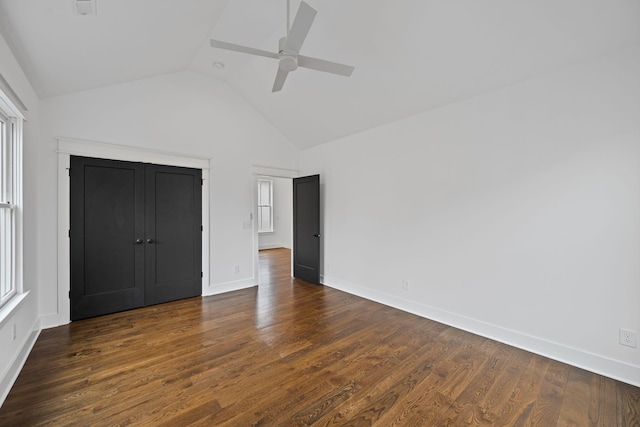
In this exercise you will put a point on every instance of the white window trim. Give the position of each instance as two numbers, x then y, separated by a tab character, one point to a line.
14	118
271	229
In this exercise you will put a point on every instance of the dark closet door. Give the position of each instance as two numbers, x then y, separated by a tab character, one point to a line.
136	235
173	236
306	228
107	225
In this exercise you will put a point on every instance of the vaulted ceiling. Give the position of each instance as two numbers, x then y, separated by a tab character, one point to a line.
409	55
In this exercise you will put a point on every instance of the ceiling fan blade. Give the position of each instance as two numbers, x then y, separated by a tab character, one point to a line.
242	49
326	66
281	76
300	28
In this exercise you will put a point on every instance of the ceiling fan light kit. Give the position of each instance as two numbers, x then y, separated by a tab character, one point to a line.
288	55
286	61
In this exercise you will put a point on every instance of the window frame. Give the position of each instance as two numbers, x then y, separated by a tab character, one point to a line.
262	230
10	201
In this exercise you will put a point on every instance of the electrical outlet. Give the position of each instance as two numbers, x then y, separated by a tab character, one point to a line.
405	285
628	338
237	269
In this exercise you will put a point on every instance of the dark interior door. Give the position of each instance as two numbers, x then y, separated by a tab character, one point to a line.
173	233
135	233
306	228
107	206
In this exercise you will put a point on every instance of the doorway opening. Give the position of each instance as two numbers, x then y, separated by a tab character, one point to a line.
274	221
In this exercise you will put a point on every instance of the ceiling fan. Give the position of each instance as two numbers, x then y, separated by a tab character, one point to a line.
288	55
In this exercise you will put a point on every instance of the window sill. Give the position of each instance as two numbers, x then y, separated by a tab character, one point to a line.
7	310
265	232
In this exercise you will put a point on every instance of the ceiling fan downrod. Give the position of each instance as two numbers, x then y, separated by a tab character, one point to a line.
288	16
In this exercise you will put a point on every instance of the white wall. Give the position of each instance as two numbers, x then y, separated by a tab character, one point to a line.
515	215
25	317
283	216
185	113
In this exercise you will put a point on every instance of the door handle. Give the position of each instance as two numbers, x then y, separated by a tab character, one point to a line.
138	241
150	241
316	235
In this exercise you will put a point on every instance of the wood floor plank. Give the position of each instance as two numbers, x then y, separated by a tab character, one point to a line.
465	405
628	405
496	398
576	399
289	353
518	407
602	403
546	409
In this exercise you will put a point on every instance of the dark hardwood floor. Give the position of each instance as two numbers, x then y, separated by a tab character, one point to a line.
288	353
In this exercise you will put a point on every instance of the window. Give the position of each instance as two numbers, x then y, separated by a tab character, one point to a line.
265	205
10	197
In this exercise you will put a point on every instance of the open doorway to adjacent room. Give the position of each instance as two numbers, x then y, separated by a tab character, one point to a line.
275	227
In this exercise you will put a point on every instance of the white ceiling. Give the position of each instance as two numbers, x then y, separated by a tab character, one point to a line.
410	55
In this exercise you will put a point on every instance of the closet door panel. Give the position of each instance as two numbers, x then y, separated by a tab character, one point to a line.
173	255
107	216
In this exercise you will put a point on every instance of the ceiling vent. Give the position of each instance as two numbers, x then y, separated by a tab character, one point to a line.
84	7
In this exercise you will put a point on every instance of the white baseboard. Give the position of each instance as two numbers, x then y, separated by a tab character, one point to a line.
220	288
51	321
18	362
599	364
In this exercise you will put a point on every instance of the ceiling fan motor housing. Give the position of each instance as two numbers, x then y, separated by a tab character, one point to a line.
287	60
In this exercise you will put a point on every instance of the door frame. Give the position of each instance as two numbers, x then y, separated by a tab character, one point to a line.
85	148
266	171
